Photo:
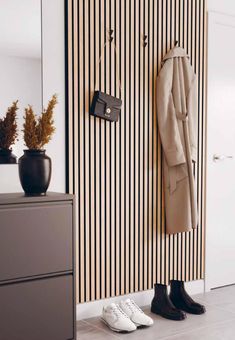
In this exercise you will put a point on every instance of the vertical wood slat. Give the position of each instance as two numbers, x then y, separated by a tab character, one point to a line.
122	146
136	140
158	150
75	118
102	154
96	158
186	35
70	99
154	143
81	152
140	148
149	226
204	115
145	148
112	164
115	168
127	149
200	155
132	142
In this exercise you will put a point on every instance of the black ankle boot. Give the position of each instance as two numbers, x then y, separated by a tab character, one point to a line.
162	305
182	300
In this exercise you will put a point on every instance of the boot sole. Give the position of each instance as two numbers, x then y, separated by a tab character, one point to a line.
189	311
166	316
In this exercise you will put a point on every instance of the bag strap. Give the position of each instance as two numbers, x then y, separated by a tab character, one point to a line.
100	58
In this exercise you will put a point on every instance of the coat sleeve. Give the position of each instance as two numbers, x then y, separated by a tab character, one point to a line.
167	120
192	108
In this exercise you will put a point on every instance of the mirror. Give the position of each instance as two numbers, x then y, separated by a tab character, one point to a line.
20	59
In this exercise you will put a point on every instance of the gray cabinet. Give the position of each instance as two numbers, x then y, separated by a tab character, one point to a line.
37	267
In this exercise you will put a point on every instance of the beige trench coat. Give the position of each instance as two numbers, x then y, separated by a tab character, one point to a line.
177	121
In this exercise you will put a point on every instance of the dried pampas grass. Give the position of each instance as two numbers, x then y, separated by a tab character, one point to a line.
8	127
38	131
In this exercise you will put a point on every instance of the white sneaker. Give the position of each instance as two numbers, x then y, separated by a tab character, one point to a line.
114	317
135	314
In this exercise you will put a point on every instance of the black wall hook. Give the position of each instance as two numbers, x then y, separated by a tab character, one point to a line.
110	33
144	40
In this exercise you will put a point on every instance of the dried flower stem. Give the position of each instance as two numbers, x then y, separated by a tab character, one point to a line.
38	132
8	127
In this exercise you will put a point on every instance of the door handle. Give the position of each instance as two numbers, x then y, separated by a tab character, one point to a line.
219	158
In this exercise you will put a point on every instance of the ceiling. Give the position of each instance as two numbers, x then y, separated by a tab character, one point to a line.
20	28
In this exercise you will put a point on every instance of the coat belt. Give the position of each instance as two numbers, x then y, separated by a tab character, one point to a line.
172	178
182	116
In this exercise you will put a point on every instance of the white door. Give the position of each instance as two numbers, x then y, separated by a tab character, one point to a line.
220	215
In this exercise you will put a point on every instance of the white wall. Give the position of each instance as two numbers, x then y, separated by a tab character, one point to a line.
23	38
222	6
20	80
219	247
53	82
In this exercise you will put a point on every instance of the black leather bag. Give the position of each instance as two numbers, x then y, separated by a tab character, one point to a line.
105	106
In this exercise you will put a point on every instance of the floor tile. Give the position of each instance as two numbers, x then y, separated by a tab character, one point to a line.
86	331
224	331
213	316
223	298
97	323
217	323
163	328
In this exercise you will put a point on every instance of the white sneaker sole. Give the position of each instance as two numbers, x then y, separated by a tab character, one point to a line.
116	329
141	325
138	325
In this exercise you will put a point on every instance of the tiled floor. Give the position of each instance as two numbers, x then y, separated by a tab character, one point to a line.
217	324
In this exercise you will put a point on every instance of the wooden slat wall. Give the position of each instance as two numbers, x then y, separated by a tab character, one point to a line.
115	169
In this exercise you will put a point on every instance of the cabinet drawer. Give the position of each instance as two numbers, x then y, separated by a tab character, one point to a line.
36	310
35	240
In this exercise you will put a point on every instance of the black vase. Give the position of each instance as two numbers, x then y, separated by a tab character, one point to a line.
7	157
35	172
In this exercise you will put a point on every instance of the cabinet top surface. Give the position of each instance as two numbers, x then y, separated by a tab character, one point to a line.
16	198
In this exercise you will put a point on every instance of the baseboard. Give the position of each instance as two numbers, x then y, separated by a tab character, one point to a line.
94	308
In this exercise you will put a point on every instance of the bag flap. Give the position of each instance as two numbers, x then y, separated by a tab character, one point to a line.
107	99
